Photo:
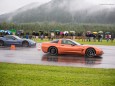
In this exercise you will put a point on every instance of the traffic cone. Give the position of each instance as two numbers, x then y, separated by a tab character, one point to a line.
39	47
12	47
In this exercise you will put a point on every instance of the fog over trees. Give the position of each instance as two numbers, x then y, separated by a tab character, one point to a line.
64	11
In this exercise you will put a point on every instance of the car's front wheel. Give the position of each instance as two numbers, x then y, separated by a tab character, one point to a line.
90	52
25	44
1	43
53	51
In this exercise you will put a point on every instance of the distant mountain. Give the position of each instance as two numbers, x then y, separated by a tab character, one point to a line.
9	16
28	7
62	11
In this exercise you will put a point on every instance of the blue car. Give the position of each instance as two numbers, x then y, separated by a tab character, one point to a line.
15	40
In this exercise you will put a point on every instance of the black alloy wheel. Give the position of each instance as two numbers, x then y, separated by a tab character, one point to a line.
25	44
53	50
90	52
1	43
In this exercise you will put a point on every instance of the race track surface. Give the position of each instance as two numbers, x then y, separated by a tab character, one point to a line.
36	56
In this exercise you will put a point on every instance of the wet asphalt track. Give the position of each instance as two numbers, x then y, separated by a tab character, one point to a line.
35	56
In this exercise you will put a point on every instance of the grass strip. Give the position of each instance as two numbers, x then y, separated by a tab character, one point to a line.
104	42
38	75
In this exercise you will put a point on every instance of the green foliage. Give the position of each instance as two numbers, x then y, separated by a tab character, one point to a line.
104	42
37	75
29	27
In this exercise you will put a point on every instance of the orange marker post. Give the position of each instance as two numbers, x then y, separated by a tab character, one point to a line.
12	47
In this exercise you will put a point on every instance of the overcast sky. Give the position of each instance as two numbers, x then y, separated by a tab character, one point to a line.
11	5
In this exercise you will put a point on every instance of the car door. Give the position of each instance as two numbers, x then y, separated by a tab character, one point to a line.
67	46
12	40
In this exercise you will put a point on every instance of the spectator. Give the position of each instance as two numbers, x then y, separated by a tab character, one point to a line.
22	34
46	35
66	35
49	36
42	37
99	37
33	34
91	36
36	35
83	36
88	36
52	35
27	35
107	37
94	37
112	37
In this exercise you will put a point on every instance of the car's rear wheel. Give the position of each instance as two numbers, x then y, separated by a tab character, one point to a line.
1	43
90	52
53	51
25	44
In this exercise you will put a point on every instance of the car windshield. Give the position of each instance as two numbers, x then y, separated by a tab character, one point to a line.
12	37
70	42
17	37
55	41
76	43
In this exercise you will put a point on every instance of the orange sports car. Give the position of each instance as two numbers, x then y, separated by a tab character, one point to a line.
68	46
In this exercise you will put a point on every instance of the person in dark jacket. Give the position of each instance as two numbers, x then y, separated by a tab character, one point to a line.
112	37
99	37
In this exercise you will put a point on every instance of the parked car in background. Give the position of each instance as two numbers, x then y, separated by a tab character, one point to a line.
15	40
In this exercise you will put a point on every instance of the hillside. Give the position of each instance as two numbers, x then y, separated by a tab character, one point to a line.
63	11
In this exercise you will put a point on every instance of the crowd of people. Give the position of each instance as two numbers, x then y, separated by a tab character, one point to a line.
85	36
80	36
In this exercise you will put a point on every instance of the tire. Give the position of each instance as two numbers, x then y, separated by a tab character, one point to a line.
1	43
25	44
53	51
90	52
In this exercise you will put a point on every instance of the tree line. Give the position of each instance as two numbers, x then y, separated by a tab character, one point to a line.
47	27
